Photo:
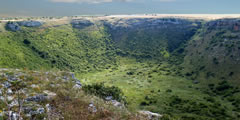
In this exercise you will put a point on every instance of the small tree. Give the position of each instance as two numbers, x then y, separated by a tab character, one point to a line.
18	94
5	96
17	87
99	89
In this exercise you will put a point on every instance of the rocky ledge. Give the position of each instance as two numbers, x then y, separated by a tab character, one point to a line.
81	23
16	26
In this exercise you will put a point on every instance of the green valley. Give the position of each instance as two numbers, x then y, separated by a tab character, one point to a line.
181	68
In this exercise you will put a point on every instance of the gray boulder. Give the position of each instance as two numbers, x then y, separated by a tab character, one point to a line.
195	81
92	108
117	104
12	26
40	111
30	111
150	115
7	84
109	98
77	85
42	97
37	98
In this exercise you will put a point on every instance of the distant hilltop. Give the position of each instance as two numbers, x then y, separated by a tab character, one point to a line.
186	16
194	16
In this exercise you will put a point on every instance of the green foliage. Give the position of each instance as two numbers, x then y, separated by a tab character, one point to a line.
224	89
99	89
60	47
200	110
18	85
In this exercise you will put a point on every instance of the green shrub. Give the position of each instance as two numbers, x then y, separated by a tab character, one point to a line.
100	90
168	90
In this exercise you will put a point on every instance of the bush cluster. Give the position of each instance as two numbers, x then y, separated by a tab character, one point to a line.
100	90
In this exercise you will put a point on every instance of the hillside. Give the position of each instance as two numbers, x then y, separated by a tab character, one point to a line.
55	95
217	46
181	67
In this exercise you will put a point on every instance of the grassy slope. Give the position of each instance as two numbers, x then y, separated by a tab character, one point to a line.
214	52
56	47
15	54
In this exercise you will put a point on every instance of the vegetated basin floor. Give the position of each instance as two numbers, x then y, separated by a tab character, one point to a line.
141	79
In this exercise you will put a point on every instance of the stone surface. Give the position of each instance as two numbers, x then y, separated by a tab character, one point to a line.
37	98
30	23
92	108
50	95
7	84
109	98
14	116
150	115
117	104
16	26
77	85
81	23
12	26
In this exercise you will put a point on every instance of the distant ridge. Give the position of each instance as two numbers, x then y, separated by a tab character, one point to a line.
189	16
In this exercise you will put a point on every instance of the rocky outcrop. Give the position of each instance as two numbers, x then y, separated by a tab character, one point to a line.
227	24
92	108
148	23
114	102
47	95
33	101
30	23
16	26
12	26
150	115
145	37
81	23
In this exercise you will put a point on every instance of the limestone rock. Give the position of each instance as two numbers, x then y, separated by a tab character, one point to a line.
92	108
37	98
12	26
150	115
30	23
81	23
117	104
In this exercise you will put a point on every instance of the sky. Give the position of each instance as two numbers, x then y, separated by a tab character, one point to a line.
107	7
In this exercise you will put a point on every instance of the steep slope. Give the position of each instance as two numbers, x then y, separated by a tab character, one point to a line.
54	95
61	47
214	51
150	38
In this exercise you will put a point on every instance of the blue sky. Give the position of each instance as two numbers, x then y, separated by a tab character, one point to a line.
93	7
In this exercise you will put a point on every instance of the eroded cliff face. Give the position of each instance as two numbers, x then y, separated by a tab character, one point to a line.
150	37
214	51
227	24
16	26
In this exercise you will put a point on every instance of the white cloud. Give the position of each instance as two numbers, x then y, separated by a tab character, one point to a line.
88	1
